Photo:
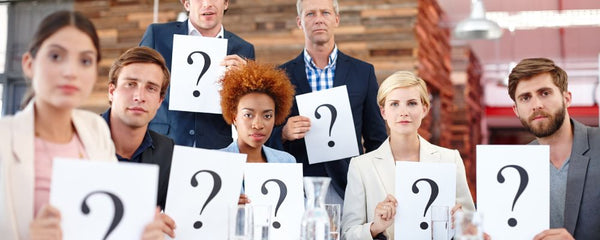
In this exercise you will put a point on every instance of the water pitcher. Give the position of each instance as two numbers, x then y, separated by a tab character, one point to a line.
315	222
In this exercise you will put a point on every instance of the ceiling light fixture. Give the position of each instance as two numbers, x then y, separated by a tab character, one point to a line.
477	26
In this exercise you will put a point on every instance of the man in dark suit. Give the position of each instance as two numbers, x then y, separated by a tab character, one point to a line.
205	19
322	66
138	81
539	89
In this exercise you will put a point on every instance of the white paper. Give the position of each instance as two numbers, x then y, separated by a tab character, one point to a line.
192	89
190	206
274	177
77	182
413	215
332	136
495	199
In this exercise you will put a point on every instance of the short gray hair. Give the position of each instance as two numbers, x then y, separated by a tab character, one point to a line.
336	7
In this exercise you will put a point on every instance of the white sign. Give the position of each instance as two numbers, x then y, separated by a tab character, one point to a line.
332	135
419	186
203	186
195	72
278	185
513	193
103	200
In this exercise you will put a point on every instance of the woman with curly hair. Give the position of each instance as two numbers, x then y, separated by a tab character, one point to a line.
254	99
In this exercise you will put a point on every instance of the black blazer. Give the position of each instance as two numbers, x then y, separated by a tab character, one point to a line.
207	130
361	83
161	154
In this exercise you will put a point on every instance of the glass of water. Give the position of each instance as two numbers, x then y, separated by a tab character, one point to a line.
241	222
469	226
440	219
262	221
333	210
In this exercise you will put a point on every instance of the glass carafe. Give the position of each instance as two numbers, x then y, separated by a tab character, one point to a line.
315	222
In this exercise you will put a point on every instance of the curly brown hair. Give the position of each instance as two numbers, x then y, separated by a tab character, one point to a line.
256	78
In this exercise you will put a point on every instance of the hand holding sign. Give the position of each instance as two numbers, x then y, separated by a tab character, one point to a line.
96	207
202	190
325	109
419	186
280	186
193	67
513	183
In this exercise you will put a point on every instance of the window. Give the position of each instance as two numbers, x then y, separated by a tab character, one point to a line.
3	33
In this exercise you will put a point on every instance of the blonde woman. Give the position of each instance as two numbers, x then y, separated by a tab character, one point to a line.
370	204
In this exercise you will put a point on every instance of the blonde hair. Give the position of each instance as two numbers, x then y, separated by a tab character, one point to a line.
402	79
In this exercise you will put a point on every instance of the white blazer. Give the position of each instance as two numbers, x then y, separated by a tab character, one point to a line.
371	177
17	175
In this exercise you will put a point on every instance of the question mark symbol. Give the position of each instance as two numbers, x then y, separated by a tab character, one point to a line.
434	192
190	61
282	195
522	185
213	193
118	209
333	117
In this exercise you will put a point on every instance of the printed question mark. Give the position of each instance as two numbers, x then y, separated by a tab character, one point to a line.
118	209
282	195
434	192
333	117
190	61
213	193
522	185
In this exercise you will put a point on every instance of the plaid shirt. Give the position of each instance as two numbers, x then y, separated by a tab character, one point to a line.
320	79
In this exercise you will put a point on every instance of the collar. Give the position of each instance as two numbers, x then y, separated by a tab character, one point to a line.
194	32
308	60
146	142
236	148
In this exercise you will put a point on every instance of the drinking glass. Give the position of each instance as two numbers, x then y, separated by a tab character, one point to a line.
468	226
262	221
241	224
440	219
333	210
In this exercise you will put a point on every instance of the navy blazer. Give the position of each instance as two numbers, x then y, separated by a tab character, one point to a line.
207	130
361	83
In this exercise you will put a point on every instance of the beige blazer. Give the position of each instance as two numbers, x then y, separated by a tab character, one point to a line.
371	177
17	177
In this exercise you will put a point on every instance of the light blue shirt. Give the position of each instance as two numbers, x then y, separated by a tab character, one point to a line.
272	155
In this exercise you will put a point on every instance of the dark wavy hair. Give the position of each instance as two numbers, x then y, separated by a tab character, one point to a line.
256	78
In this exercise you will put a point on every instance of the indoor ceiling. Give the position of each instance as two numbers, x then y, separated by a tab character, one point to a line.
575	48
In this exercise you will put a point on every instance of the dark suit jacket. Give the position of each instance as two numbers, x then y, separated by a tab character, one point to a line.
207	130
582	202
161	154
359	78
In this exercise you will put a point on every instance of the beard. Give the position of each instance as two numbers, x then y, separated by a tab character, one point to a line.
544	130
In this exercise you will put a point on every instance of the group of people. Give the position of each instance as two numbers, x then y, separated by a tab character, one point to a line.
258	99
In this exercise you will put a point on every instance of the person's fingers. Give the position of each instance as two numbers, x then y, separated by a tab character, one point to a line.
169	225
49	211
456	207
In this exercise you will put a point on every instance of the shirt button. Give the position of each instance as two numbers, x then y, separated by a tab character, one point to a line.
192	132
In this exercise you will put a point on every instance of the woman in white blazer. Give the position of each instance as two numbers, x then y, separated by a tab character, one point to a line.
62	63
369	205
